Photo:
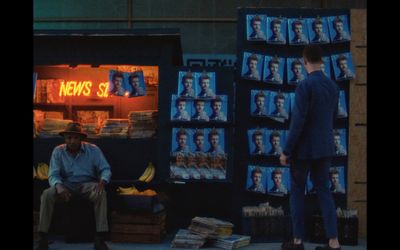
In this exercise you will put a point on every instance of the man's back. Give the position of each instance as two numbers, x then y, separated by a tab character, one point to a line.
311	129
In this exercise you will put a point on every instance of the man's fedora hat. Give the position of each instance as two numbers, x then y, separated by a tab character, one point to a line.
73	128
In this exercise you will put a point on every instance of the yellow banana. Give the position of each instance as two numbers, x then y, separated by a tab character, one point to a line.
127	191
145	174
42	171
151	175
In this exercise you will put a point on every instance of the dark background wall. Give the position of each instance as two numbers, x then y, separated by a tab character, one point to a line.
207	26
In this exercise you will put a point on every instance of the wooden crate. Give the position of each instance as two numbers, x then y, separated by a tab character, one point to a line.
137	227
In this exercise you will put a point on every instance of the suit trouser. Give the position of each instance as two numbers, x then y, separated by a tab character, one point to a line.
319	170
87	191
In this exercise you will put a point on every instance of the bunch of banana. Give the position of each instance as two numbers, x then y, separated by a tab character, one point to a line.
42	171
128	191
148	173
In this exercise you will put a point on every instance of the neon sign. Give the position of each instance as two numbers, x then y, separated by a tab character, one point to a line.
82	88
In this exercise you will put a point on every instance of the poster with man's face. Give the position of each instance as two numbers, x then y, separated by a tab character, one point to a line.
181	108
276	30
257	141
252	66
337	180
340	142
298	32
219	109
187	84
276	141
295	70
277	180
118	83
278	104
343	67
318	30
206	85
339	29
136	85
256	27
215	141
256	180
259	102
181	140
273	69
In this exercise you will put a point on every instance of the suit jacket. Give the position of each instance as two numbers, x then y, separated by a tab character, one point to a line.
311	127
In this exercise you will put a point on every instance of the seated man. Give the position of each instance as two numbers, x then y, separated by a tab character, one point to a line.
77	168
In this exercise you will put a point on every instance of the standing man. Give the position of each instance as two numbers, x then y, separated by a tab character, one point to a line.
77	168
310	147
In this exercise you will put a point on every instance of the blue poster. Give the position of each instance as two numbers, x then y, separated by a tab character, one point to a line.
256	179
276	32
339	29
252	66
256	26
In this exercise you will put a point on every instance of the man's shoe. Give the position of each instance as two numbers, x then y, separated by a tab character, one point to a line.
99	244
327	247
291	246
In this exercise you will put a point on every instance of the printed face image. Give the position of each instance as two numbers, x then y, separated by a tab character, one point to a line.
256	25
214	141
188	83
275	142
199	141
258	141
182	141
135	82
205	84
343	65
274	68
117	82
339	27
181	106
336	140
298	29
199	106
297	70
257	178
335	179
279	104
217	107
276	28
253	65
318	29
260	102
277	179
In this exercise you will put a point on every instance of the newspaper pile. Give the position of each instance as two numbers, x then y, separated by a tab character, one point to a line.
262	210
90	129
346	213
185	239
210	227
115	128
52	127
142	124
232	242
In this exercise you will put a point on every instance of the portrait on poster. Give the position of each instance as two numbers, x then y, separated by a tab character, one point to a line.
186	84
215	144
252	66
136	85
277	180
256	26
118	83
340	142
295	70
219	108
181	141
318	30
276	30
206	85
257	141
339	29
256	179
278	105
298	32
276	141
201	110
181	108
337	180
273	69
343	66
258	102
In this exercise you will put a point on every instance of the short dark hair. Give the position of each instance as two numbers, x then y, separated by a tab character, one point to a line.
181	132
117	74
337	20
316	21
275	172
256	133
178	100
259	94
217	99
296	62
188	75
212	132
197	133
255	18
273	134
273	60
313	53
275	21
252	57
297	22
334	171
340	58
279	96
133	75
256	170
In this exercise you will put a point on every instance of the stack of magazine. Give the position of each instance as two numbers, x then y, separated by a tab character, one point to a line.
185	239
210	227
232	242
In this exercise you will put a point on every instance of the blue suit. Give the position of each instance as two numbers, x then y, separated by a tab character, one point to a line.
311	148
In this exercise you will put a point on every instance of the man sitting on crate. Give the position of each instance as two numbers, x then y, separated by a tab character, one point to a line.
77	168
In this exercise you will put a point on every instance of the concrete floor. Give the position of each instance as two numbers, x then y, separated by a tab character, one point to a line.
61	245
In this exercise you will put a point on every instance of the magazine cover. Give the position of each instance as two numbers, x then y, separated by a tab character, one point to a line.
219	108
186	84
256	26
201	110
136	86
258	105
276	30
339	29
278	104
206	87
298	32
180	108
277	180
318	30
178	168
326	66
337	180
215	143
276	141
343	67
256	179
180	141
252	66
295	70
342	106
118	83
257	141
273	69
339	139
198	140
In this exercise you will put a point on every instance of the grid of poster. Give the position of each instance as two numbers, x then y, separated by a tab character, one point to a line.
198	154
297	31
268	179
271	68
273	104
336	181
127	84
196	100
263	141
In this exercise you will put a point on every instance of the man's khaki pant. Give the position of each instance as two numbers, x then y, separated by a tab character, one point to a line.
50	196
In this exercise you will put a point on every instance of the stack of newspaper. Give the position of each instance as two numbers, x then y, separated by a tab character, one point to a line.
115	128
52	127
142	124
210	227
232	242
185	239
